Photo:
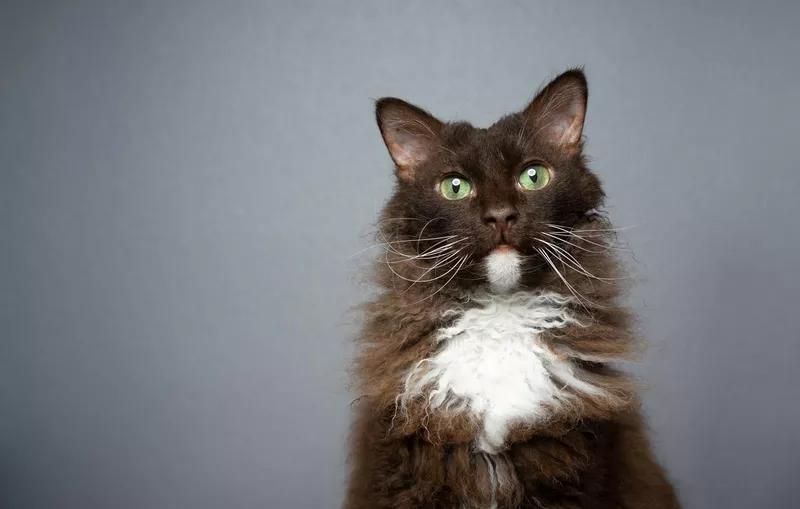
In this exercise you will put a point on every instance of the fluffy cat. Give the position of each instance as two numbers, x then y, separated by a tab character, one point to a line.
486	373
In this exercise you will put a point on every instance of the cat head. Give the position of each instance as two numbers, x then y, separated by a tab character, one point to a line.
476	206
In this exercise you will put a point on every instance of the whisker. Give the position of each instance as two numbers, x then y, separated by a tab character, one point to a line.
576	246
450	257
463	260
569	286
445	237
390	244
387	243
428	254
578	266
581	299
570	233
398	219
571	262
564	228
437	260
434	249
442	252
423	230
565	265
434	259
606	247
610	245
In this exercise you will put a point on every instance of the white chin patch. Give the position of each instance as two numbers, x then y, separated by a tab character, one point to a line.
503	269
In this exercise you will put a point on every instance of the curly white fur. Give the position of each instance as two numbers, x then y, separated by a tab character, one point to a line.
492	363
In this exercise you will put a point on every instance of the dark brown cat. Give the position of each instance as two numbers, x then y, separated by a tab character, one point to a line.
486	371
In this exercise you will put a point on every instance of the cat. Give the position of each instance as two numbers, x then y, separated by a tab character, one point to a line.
487	369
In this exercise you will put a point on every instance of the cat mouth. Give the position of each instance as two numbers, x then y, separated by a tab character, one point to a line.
503	247
502	243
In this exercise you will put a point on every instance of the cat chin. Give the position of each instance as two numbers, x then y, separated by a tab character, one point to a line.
503	269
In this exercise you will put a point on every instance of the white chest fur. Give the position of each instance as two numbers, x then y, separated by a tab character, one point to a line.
491	362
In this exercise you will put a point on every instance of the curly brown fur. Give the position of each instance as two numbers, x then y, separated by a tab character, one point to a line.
589	453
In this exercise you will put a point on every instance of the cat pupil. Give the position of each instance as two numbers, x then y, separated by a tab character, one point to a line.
456	185
533	175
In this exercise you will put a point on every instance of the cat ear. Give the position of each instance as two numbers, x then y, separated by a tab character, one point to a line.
558	110
411	134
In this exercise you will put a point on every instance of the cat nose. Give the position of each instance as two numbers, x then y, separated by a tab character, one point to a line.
500	218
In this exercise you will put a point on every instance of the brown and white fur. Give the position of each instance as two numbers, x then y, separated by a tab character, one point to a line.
487	375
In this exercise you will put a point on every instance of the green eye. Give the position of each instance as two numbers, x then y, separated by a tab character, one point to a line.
455	188
534	177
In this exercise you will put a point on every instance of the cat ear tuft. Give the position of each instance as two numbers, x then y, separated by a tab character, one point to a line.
411	134
559	109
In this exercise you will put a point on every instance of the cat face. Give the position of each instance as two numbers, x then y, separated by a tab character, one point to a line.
488	197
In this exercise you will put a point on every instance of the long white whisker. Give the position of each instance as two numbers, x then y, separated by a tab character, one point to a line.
419	237
576	246
572	233
447	260
434	249
455	265
565	265
578	266
570	230
387	243
610	245
399	219
558	273
390	244
400	275
558	251
432	254
620	229
463	260
435	258
444	237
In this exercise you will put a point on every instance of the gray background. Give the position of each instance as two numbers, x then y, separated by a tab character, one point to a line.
183	182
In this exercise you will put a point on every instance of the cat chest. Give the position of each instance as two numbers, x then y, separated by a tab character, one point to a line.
492	362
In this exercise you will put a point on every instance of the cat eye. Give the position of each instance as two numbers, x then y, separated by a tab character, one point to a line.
455	187
534	177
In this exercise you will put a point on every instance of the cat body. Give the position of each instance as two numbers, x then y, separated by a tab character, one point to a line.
486	373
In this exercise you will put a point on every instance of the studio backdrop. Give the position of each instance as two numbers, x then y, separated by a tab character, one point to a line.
184	186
